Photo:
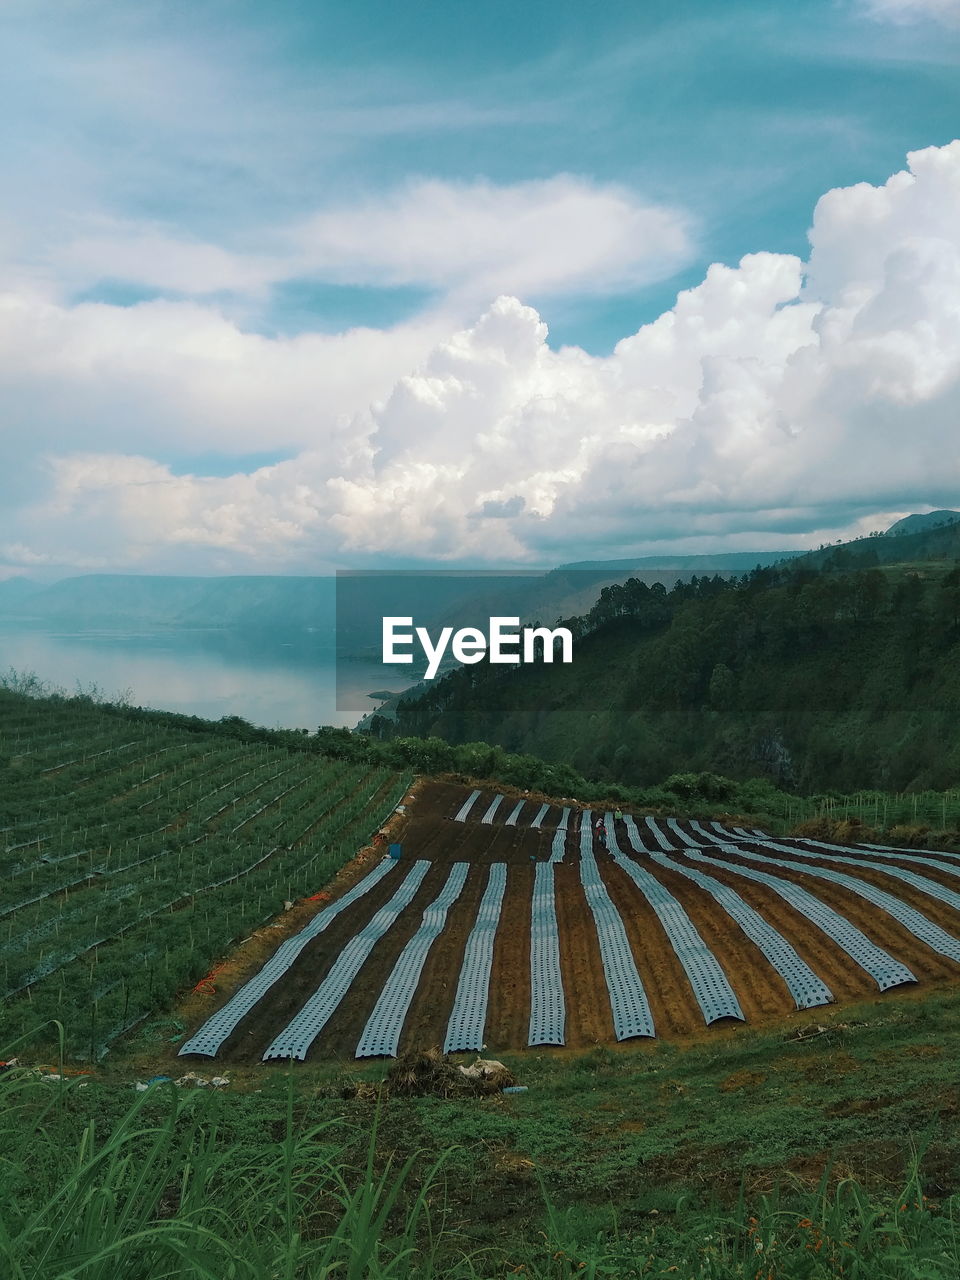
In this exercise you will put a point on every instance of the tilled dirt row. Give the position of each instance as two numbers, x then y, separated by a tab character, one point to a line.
830	962
923	901
877	924
288	996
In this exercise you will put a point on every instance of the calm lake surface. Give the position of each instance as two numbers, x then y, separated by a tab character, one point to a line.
267	677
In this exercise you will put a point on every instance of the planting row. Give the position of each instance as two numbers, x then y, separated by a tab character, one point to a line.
368	974
134	862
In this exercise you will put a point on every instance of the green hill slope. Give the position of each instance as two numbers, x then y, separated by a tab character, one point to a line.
916	523
838	670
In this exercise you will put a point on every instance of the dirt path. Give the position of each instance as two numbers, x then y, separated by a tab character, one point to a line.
508	1011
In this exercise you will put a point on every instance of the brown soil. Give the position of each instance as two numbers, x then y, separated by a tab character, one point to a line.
589	1019
674	1009
917	898
880	927
508	1010
845	979
742	1079
427	831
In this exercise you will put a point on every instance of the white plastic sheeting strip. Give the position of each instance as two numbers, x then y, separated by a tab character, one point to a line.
469	1014
806	988
381	1035
586	834
710	985
701	830
687	840
914	921
215	1030
538	820
658	835
731	837
495	804
558	848
512	820
633	835
296	1038
547	1007
879	964
921	859
893	848
467	805
628	999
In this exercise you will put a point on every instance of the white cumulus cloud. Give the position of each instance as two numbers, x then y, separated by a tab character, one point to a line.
776	403
561	234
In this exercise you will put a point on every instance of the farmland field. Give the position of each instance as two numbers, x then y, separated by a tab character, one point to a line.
133	855
136	856
696	1010
682	928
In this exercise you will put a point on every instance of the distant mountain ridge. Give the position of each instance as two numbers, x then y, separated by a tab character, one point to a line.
259	601
721	561
920	523
935	541
266	601
17	589
117	601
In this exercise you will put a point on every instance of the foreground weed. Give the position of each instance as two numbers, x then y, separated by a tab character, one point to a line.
841	1233
102	1209
161	1196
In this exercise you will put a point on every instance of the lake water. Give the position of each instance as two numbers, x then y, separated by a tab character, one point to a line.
267	677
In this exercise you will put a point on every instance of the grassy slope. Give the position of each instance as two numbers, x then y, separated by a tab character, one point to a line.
651	1157
128	873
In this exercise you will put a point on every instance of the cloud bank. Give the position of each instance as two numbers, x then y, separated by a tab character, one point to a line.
776	403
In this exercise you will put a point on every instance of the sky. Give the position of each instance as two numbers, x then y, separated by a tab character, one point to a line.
296	286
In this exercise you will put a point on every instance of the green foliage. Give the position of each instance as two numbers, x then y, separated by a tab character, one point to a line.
161	1194
708	787
845	677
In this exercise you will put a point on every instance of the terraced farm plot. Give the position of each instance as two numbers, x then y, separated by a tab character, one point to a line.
510	923
133	855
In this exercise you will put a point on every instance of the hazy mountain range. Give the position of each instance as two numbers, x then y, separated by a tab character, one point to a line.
118	601
274	602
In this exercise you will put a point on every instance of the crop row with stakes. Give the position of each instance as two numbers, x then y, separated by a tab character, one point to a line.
78	788
135	863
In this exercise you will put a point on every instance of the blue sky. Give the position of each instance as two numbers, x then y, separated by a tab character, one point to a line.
741	115
300	172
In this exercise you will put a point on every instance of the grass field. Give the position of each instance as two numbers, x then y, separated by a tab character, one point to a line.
769	1157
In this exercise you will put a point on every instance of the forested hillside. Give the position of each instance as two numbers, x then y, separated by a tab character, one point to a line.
838	670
